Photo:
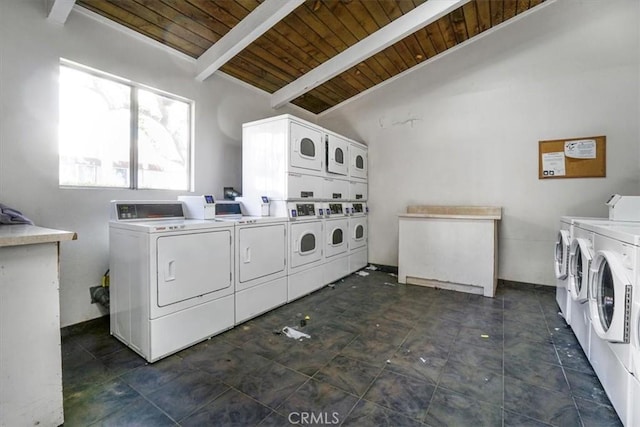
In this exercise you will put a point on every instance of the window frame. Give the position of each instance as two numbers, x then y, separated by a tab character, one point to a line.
133	129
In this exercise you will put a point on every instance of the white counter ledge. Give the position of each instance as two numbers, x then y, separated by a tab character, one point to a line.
449	247
30	357
24	234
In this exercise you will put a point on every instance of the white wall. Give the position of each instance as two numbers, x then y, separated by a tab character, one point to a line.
567	70
30	50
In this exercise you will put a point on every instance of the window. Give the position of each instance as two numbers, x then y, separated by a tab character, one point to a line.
115	133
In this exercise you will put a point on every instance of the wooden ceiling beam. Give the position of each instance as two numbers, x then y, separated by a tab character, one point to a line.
259	21
60	10
409	23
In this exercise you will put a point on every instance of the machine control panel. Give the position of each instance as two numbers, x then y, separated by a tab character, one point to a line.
303	210
335	208
357	208
126	211
169	228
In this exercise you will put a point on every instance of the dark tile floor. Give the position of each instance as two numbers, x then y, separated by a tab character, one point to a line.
380	354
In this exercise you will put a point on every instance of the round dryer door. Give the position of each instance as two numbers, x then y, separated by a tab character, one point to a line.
610	300
562	254
579	262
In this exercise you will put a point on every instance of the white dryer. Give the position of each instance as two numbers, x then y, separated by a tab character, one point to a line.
337	149
580	257
171	278
336	241
306	257
283	158
358	166
358	236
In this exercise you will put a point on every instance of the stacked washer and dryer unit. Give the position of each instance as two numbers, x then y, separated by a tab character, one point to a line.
604	300
311	176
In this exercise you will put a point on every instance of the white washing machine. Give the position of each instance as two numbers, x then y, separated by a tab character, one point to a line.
336	241
614	272
580	257
358	236
561	262
614	275
171	278
306	258
260	255
261	265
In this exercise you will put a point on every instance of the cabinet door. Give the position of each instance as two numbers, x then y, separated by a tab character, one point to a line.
191	265
306	150
261	251
337	155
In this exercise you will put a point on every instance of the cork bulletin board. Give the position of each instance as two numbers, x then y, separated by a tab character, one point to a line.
573	158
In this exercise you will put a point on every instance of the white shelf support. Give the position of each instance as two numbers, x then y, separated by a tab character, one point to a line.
265	16
60	10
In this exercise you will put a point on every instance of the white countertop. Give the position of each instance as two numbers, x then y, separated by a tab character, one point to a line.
24	234
454	212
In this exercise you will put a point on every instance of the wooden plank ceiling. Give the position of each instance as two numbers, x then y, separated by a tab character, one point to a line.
310	35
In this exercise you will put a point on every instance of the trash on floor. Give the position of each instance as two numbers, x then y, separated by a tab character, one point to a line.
423	360
388	360
484	336
393	275
362	273
389	284
293	333
371	267
332	285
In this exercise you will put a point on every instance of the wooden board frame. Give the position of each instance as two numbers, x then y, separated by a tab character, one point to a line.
576	168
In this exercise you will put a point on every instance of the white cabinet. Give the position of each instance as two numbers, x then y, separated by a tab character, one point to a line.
449	247
30	356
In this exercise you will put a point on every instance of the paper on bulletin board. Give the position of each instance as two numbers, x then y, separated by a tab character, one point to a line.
553	164
580	149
